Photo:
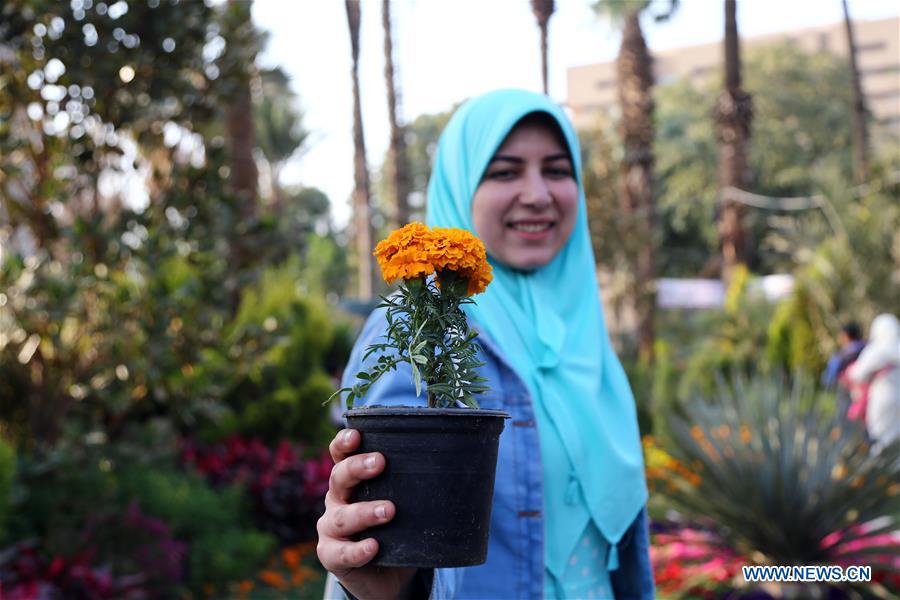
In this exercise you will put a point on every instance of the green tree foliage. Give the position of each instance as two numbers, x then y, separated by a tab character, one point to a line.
110	307
801	137
126	318
847	269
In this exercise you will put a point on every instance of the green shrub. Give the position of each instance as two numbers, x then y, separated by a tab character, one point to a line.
781	478
281	391
7	472
79	499
222	547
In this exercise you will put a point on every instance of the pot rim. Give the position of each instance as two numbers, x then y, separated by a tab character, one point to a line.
423	411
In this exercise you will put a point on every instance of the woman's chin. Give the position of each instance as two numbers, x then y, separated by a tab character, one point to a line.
531	261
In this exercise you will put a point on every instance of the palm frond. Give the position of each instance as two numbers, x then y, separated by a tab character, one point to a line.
783	478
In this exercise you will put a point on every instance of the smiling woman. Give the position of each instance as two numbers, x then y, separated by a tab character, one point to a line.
525	207
568	518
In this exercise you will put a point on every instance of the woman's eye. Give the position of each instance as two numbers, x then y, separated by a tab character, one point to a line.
501	174
560	172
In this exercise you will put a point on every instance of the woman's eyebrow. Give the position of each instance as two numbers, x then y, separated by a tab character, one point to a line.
519	160
512	159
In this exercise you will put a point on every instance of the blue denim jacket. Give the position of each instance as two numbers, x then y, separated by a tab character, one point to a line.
515	562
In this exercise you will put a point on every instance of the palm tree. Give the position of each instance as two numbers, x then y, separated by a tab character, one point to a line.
634	71
241	136
543	10
397	160
733	113
860	130
361	218
238	71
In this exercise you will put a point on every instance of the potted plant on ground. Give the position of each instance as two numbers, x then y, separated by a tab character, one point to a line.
441	458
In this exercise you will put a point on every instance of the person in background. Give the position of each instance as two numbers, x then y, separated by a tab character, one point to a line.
569	517
850	345
877	374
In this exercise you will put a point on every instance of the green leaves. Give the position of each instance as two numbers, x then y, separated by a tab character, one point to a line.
807	482
428	330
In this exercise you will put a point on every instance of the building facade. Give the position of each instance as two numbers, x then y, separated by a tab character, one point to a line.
592	88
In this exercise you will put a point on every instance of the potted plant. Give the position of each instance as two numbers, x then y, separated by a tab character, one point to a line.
441	458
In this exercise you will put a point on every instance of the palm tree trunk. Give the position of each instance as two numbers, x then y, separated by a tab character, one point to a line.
361	219
240	137
397	162
241	142
634	67
860	130
733	114
543	10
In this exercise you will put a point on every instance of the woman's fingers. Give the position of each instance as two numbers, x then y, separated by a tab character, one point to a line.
336	552
342	520
345	442
339	557
345	520
347	473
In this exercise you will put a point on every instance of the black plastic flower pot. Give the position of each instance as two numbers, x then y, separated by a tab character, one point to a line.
439	473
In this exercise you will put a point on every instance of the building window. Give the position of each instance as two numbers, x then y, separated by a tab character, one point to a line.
605	83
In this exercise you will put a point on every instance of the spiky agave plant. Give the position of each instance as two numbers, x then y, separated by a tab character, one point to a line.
785	481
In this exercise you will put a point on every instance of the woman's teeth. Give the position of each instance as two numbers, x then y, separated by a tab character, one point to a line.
530	228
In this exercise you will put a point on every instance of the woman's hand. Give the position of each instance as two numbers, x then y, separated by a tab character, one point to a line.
337	551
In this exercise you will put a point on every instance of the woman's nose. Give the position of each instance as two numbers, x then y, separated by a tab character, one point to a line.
535	192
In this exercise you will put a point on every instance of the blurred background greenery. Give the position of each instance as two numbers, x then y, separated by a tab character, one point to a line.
172	317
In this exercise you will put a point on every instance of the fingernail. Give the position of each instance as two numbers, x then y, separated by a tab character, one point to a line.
380	512
347	435
369	547
370	462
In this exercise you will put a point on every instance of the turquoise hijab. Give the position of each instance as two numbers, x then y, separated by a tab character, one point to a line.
549	325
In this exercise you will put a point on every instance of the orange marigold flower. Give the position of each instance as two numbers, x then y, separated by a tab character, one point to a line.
302	575
415	251
291	558
273	579
245	587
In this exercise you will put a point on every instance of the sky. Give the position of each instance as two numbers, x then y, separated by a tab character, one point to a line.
449	50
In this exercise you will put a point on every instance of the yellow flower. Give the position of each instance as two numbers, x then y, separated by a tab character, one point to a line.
415	251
